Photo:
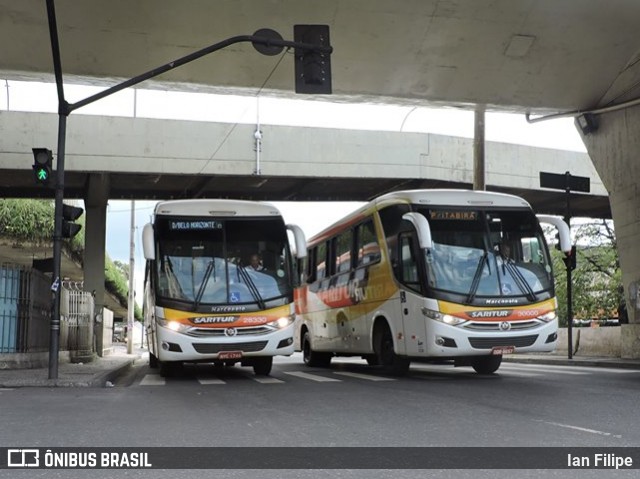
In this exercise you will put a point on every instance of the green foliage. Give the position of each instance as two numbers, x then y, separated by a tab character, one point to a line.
27	220
117	284
32	221
597	279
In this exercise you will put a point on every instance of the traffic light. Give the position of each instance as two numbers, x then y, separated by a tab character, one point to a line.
42	165
312	67
69	215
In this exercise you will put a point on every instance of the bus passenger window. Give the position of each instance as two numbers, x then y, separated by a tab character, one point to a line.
367	247
343	244
321	261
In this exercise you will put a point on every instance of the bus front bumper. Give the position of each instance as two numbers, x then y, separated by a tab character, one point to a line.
444	340
175	346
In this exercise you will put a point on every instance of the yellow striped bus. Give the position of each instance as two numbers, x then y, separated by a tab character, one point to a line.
430	275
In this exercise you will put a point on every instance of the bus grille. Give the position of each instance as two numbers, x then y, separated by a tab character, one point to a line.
214	348
488	343
209	332
492	326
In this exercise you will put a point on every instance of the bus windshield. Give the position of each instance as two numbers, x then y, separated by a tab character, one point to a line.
222	262
487	254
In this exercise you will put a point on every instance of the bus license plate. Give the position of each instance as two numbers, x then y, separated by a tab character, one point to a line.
230	355
500	350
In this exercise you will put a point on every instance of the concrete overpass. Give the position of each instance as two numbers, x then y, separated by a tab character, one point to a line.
160	159
568	57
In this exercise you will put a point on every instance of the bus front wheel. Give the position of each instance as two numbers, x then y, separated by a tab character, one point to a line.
153	360
387	358
312	358
487	364
262	366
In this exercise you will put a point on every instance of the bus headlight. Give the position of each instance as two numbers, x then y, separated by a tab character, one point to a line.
282	322
548	317
176	326
443	318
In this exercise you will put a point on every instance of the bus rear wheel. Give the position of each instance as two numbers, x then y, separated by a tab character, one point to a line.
487	364
262	366
312	358
387	358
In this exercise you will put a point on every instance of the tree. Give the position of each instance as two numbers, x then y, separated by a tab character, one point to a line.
123	268
597	280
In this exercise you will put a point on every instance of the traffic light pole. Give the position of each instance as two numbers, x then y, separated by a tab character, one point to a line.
54	336
265	41
56	285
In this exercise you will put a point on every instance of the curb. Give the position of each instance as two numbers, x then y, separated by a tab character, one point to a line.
100	380
589	362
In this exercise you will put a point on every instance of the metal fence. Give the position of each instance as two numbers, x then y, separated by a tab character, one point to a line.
76	319
25	309
25	314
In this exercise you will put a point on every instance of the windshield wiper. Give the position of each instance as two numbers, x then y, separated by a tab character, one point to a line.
477	276
205	280
251	286
522	282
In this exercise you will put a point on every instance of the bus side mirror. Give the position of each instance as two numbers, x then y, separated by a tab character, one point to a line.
148	242
564	233
300	241
422	228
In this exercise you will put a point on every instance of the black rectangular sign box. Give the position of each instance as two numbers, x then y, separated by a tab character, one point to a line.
561	181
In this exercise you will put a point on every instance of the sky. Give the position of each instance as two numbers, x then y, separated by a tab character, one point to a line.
311	217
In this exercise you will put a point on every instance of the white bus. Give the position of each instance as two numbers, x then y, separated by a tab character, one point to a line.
219	284
430	275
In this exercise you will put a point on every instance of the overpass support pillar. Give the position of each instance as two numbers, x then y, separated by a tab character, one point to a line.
96	199
614	149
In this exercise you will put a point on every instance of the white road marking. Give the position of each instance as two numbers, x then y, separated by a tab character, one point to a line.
152	380
578	428
368	377
267	380
207	381
312	377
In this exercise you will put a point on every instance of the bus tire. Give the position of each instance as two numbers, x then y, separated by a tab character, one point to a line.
262	366
487	364
387	358
153	360
312	358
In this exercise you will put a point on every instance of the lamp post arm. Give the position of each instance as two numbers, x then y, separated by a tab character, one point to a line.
260	40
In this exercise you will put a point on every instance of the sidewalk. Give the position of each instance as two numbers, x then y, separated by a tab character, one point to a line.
101	371
96	373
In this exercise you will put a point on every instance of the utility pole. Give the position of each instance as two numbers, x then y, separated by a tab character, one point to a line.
479	169
131	305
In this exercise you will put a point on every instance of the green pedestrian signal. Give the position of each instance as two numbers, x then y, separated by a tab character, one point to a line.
42	174
42	165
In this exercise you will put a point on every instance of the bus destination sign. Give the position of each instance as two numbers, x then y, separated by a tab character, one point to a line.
454	215
182	225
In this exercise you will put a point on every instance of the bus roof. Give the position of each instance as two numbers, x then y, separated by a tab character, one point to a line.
453	198
215	208
437	197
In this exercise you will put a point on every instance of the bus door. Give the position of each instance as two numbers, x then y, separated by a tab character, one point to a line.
411	296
